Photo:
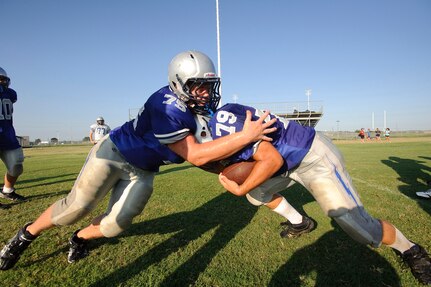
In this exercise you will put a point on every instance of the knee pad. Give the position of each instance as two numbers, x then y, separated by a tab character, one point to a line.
122	210
260	195
112	228
115	223
253	201
360	226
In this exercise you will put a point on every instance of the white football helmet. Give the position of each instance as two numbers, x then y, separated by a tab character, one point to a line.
4	79
192	68
100	120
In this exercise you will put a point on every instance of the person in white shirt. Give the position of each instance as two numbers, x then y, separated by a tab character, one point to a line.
98	130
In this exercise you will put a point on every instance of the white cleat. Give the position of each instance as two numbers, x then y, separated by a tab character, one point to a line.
424	194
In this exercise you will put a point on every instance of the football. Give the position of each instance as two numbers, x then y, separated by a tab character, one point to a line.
239	171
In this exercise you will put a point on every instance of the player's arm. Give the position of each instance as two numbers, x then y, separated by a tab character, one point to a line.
268	161
201	153
91	136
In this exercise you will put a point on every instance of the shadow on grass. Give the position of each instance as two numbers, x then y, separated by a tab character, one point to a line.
21	184
172	169
412	173
225	213
10	204
336	260
49	194
45	257
34	180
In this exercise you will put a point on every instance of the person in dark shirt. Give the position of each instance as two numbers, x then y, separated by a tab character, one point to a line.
10	150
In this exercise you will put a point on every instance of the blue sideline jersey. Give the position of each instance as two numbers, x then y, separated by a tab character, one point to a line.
292	140
164	119
8	138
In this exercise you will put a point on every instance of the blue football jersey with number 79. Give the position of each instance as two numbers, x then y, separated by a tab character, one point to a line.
292	140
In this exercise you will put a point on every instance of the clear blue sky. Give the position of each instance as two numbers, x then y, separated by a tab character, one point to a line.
72	61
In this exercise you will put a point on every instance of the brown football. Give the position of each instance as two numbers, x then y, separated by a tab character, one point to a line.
239	171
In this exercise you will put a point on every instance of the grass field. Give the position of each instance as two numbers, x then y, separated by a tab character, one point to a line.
193	233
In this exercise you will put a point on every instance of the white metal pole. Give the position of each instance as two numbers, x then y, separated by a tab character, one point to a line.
218	46
384	119
308	93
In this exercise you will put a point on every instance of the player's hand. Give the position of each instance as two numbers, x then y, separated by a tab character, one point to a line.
228	184
257	130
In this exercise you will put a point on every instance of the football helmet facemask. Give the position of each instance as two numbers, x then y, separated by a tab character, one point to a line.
195	69
4	79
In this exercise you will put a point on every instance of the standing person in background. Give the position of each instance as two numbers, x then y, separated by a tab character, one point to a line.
98	130
368	135
388	135
10	150
378	133
361	135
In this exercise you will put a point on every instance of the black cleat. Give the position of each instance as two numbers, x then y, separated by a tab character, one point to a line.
295	230
78	248
419	262
2	206
11	252
12	196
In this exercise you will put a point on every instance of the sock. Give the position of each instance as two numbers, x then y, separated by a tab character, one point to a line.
401	243
287	211
8	189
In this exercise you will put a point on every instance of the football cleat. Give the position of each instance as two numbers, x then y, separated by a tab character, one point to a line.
12	196
12	251
419	262
77	248
424	194
295	230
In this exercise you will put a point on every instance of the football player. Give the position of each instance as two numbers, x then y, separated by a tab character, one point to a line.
98	130
310	158
127	159
10	150
295	225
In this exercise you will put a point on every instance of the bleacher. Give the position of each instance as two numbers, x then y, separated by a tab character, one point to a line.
304	113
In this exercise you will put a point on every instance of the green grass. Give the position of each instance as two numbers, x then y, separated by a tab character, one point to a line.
193	233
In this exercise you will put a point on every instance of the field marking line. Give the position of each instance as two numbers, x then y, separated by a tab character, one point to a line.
378	187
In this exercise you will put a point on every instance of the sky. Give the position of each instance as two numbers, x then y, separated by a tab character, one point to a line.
367	63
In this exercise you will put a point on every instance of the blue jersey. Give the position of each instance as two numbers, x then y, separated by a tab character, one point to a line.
8	138
292	140
164	119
